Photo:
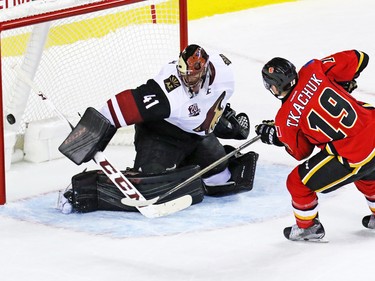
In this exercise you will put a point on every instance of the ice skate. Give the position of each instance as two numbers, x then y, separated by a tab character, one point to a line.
314	233
369	221
63	203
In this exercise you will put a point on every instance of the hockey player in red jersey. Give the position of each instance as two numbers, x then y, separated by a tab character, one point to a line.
318	110
179	115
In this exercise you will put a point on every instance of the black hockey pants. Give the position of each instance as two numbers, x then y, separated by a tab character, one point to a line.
161	146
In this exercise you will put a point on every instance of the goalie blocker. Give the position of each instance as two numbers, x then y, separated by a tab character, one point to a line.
92	134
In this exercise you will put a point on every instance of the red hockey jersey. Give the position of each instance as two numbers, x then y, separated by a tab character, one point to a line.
319	112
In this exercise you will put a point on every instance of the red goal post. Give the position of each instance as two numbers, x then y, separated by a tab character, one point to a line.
79	53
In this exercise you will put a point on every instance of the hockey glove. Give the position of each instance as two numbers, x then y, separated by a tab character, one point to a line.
92	134
244	122
232	126
349	86
267	132
229	112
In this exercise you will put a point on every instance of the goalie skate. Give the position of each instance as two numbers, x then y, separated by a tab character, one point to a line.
63	203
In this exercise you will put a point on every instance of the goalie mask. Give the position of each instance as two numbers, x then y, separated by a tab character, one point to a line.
279	77
192	67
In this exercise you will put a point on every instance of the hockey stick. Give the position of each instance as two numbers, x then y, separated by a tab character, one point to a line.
130	202
117	178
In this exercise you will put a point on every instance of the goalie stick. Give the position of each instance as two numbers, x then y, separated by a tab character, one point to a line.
134	203
118	179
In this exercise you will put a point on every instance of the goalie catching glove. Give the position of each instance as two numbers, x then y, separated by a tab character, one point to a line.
267	133
232	126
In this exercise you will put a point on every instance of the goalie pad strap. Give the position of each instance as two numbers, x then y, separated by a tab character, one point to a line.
94	191
92	134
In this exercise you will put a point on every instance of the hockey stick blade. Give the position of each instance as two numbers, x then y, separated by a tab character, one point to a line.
138	203
167	208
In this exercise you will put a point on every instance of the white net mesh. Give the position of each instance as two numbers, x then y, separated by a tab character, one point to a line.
86	58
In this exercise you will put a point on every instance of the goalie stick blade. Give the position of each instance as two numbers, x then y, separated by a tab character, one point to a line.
167	208
138	203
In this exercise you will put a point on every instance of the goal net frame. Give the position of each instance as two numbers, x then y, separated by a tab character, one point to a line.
63	13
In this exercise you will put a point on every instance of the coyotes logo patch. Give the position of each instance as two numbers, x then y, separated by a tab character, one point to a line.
171	83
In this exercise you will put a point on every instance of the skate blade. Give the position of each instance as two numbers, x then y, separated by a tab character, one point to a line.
322	240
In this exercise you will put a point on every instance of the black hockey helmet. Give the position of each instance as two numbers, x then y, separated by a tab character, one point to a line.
279	77
192	67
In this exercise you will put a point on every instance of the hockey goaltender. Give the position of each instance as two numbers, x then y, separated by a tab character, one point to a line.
178	117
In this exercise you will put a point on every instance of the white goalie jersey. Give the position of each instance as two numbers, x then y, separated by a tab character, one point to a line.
166	97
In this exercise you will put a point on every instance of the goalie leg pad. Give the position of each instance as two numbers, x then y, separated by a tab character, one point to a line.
94	191
92	134
83	196
151	185
242	169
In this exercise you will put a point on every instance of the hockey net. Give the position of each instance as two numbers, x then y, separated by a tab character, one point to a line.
78	53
